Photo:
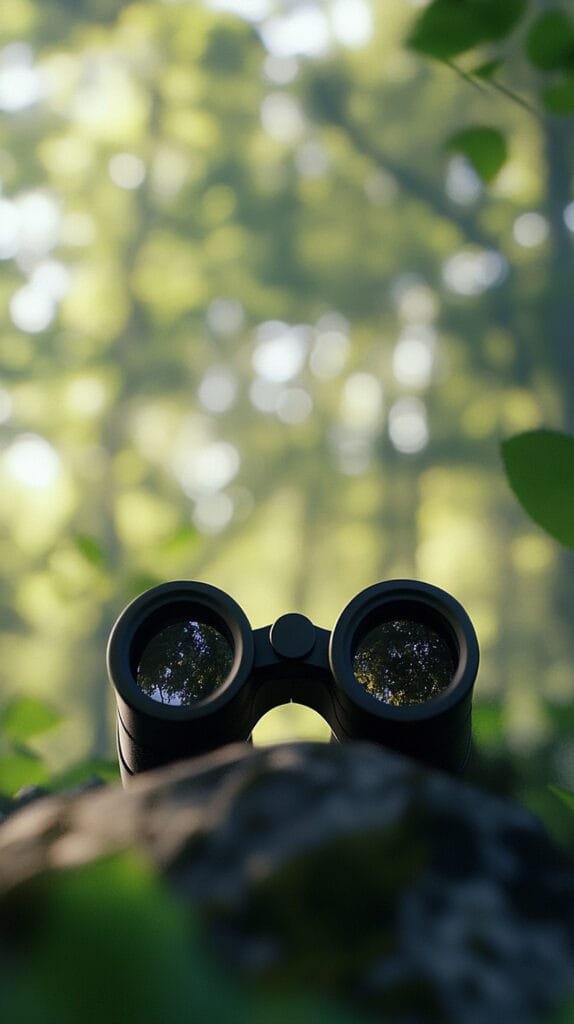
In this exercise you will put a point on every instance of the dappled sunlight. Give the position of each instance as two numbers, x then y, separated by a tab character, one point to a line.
225	316
302	31
413	357
32	462
218	389
213	512
294	405
32	309
206	469
408	427
33	306
352	22
29	226
280	70
362	402
127	170
21	82
280	351
533	555
108	101
462	185
530	230
264	394
329	354
86	396
282	117
143	519
312	159
416	302
471	272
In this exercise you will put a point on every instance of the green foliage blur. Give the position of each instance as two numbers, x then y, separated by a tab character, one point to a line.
275	286
109	942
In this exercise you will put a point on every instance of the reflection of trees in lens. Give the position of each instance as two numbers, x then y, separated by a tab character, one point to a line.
403	662
184	663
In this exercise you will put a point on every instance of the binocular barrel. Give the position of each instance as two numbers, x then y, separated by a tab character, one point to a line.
191	675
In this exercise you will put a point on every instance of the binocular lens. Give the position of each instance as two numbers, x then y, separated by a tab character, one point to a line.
184	662
404	662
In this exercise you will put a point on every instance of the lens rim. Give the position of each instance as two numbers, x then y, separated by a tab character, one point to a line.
383	602
159	607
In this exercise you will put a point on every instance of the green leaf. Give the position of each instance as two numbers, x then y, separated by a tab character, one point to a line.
550	41
26	717
565	795
539	465
106	941
559	98
485	148
447	28
21	768
486	70
91	550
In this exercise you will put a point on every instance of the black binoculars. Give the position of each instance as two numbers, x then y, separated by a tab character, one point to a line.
191	675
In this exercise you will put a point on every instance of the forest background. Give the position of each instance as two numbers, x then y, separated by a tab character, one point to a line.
266	318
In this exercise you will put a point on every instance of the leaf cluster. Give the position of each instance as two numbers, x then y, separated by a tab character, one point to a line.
487	36
113	921
22	721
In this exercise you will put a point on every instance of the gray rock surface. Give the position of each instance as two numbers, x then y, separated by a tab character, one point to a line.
343	868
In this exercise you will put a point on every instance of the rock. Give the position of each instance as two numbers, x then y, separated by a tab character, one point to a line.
340	868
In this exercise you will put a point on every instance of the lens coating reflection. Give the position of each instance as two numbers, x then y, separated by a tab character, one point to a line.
183	663
404	662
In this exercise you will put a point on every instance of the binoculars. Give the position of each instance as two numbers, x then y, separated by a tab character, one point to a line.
191	675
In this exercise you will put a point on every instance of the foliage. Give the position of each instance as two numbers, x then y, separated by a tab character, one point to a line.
540	468
485	148
564	795
493	33
106	941
447	28
22	721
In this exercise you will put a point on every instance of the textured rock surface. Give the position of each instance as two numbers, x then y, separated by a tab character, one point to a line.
344	868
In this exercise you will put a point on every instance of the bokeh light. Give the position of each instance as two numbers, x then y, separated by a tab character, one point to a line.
218	389
127	170
32	461
280	351
362	401
413	357
530	230
408	428
463	185
21	83
207	469
472	272
282	117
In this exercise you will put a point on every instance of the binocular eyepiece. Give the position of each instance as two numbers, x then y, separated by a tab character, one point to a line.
191	675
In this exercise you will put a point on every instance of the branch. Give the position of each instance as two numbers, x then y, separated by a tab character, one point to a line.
435	199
